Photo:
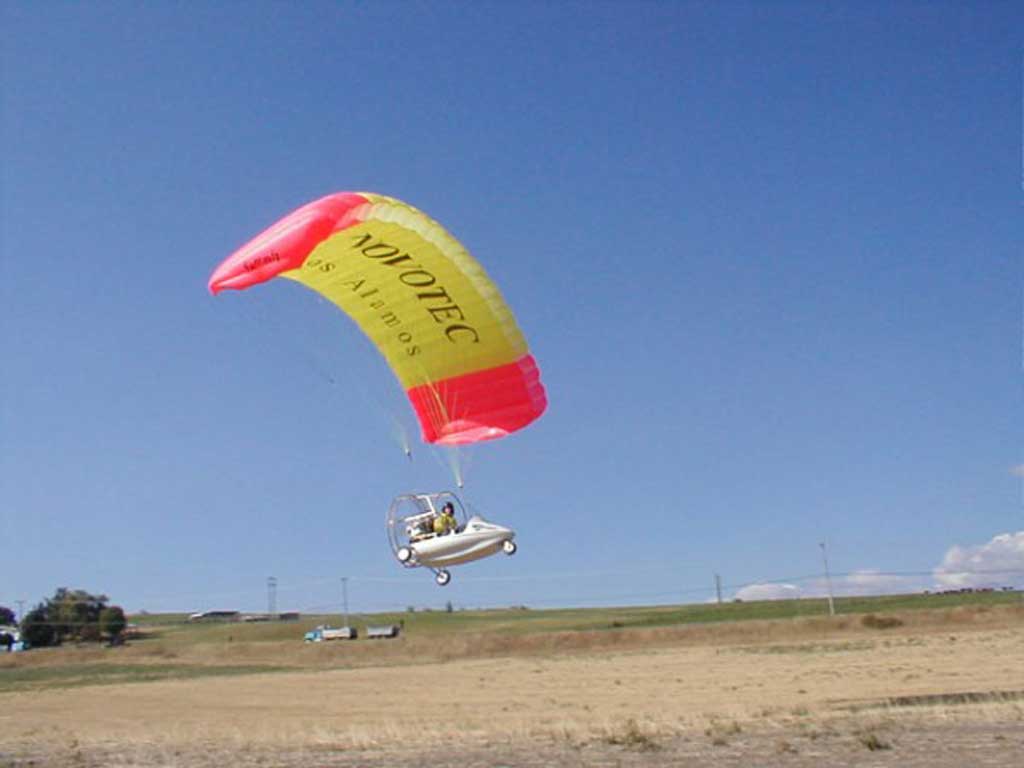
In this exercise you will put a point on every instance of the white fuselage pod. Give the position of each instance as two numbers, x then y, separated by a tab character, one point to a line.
477	539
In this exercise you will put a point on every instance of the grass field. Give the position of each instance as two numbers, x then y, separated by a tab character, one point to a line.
925	680
524	620
171	647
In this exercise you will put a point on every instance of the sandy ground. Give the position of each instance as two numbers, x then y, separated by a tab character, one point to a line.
916	698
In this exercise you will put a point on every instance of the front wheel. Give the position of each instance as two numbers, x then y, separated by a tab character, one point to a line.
509	547
404	554
442	578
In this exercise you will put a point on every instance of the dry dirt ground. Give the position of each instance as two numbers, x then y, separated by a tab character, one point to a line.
931	697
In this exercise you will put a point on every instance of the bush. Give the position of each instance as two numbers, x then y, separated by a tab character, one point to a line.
112	622
871	621
36	629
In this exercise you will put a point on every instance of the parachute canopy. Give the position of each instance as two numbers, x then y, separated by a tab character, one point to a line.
415	291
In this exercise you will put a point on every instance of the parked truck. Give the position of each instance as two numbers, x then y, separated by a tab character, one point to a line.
322	633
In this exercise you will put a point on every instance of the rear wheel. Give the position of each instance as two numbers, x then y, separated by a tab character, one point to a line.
442	578
509	547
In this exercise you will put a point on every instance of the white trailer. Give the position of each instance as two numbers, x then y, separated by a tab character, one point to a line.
322	633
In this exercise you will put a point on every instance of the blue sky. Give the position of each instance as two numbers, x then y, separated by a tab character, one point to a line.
768	257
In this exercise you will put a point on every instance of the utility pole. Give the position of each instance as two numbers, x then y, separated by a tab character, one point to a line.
828	580
718	588
21	610
272	595
344	596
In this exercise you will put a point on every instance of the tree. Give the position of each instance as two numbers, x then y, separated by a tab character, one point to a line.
75	614
7	616
69	614
112	623
36	628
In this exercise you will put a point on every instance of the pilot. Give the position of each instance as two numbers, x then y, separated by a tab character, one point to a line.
446	522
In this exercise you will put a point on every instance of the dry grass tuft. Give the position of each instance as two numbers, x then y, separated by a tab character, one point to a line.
872	741
719	732
783	747
632	736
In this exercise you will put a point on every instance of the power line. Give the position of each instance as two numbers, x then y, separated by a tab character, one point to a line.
851	581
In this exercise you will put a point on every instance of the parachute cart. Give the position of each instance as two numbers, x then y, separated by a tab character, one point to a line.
414	542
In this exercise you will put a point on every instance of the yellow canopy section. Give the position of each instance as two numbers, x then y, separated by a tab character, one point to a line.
414	291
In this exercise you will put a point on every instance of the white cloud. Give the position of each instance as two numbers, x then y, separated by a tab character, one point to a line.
769	592
866	582
858	583
996	563
872	582
999	562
